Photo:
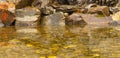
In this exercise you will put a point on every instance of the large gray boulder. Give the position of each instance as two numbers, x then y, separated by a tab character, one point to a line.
56	19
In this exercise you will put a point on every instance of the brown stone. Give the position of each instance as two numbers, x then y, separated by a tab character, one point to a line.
75	19
7	17
116	18
96	19
21	3
104	10
27	17
42	3
4	5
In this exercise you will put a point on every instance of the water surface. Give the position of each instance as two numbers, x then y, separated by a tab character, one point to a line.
60	42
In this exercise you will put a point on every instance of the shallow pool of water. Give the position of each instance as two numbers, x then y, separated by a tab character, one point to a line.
60	42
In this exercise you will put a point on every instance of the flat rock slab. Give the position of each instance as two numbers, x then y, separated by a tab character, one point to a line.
27	21
65	8
27	17
93	19
27	11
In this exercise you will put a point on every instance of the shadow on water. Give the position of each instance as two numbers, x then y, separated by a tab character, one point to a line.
60	42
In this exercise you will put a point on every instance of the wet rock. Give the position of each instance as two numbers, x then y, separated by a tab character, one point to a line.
116	18
83	19
44	6
114	10
75	29
56	19
71	2
91	5
28	11
62	1
114	23
96	19
66	8
42	3
75	19
47	10
21	3
76	2
27	17
4	5
104	2
118	4
104	10
7	17
37	4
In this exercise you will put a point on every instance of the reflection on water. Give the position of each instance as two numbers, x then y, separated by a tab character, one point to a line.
60	42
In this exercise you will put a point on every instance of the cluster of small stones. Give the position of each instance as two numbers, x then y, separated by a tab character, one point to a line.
105	2
56	12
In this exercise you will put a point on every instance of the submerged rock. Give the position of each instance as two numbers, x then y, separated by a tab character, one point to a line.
31	21
47	10
26	30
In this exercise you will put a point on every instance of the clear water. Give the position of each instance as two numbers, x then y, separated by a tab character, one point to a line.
60	42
